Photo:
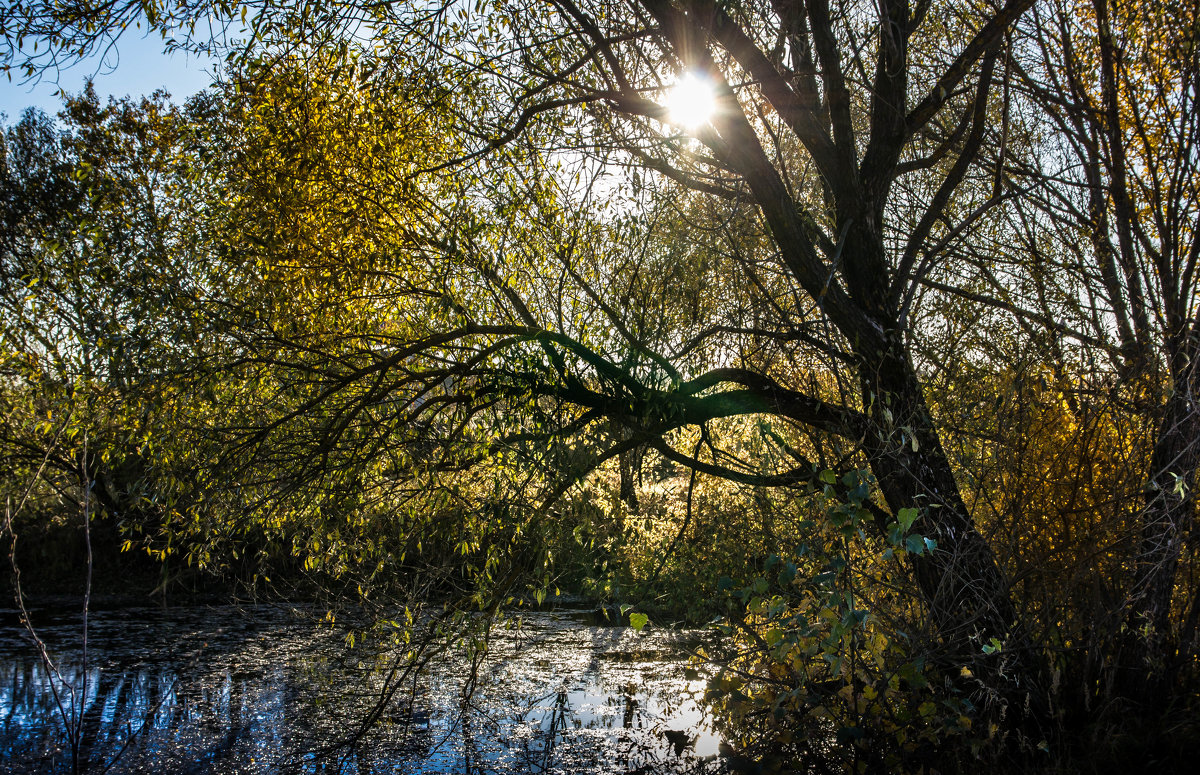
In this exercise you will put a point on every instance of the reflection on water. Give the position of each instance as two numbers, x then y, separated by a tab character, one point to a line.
197	690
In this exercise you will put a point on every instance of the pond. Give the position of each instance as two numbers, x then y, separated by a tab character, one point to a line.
271	688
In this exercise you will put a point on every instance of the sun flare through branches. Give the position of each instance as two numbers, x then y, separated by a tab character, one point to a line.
692	101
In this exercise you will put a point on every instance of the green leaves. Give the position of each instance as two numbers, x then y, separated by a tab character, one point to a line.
919	545
638	621
900	536
806	650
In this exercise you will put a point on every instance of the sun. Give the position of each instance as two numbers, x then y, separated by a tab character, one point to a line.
691	102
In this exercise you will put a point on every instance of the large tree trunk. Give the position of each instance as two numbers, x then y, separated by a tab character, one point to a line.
962	584
966	592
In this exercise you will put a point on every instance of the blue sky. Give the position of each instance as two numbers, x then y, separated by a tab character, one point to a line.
140	68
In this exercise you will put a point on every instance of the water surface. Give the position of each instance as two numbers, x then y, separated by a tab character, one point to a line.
272	688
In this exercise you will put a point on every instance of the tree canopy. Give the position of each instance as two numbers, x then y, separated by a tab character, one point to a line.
444	285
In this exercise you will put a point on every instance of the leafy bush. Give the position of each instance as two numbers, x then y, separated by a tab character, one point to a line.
819	670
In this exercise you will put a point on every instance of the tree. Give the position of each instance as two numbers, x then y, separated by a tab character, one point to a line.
95	296
856	104
573	274
1114	194
821	110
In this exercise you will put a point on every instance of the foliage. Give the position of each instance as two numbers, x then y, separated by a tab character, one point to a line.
96	305
823	662
441	301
